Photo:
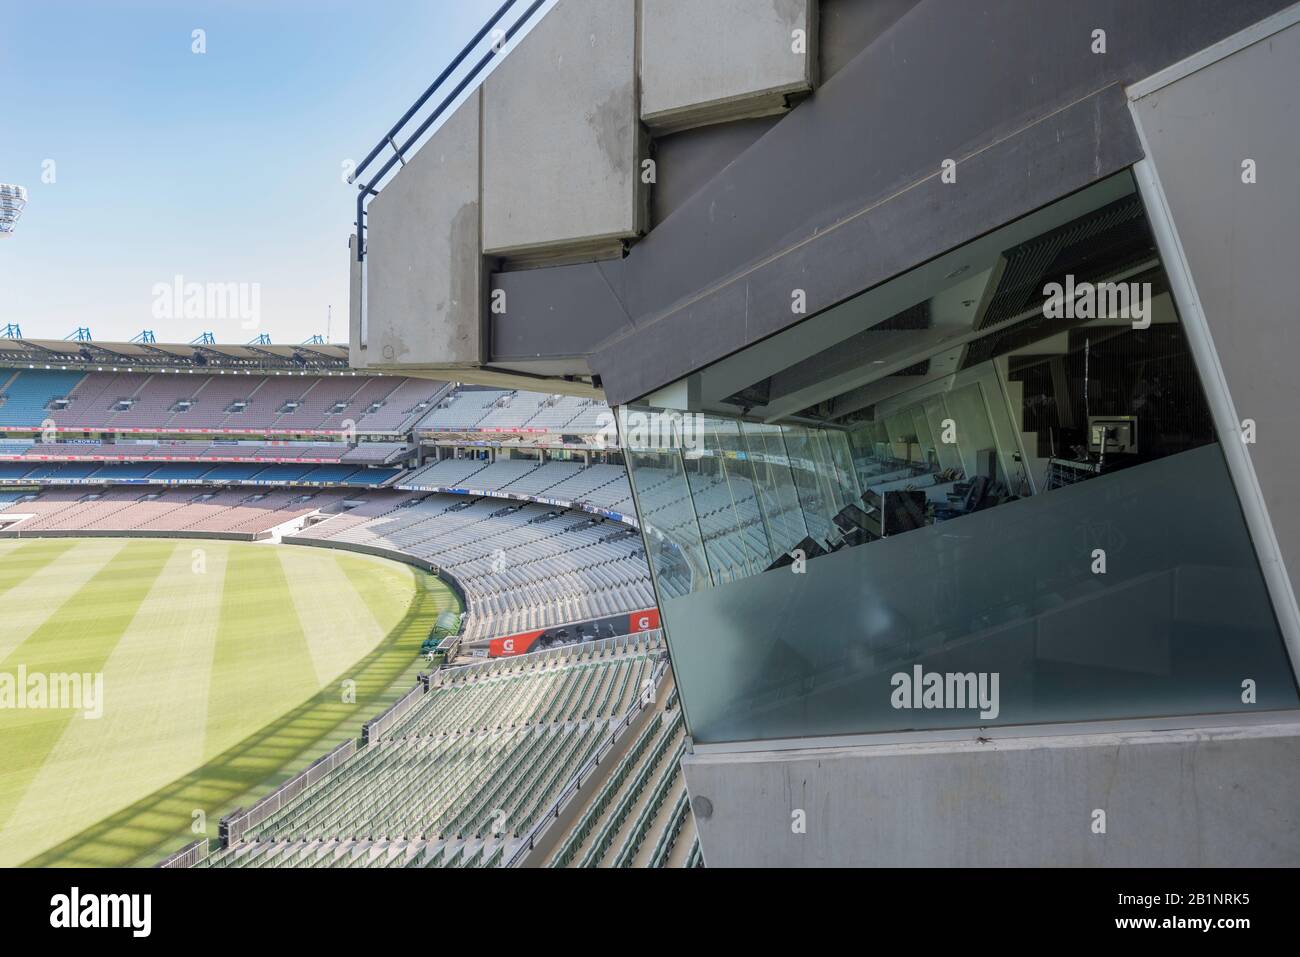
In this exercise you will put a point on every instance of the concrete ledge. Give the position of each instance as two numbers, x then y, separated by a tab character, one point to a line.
562	139
724	60
1220	797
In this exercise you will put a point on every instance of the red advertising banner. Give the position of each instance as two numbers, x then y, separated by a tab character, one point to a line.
513	645
615	626
647	620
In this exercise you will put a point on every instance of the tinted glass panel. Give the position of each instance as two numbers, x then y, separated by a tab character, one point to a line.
1028	520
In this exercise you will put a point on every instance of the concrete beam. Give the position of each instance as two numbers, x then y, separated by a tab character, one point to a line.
562	138
724	60
865	205
424	282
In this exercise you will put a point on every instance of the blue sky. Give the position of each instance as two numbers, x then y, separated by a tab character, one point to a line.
223	167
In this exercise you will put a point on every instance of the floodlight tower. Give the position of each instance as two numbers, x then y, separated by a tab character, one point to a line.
13	200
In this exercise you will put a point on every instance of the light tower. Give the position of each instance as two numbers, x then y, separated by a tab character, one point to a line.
13	199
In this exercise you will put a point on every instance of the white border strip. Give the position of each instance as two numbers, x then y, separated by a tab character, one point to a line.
1226	420
1235	719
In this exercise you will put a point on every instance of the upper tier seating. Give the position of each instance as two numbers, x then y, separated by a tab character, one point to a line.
513	411
469	409
449	473
196	400
602	486
25	399
462	410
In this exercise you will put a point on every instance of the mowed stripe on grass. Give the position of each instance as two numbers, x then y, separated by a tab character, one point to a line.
262	663
42	581
329	605
155	678
77	638
245	654
35	555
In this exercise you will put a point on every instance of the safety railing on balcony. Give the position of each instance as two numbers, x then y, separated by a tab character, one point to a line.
492	35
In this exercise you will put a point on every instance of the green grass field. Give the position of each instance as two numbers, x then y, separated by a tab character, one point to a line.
224	669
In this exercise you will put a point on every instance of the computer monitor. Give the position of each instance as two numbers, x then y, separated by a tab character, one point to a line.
851	517
1113	434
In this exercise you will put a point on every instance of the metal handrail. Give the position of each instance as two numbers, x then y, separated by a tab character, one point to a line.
369	187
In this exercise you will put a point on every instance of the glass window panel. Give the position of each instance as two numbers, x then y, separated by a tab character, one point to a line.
925	436
744	475
1176	624
827	471
1044	511
814	499
728	515
667	516
969	419
842	460
776	489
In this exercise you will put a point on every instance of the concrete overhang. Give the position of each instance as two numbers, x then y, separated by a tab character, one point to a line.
846	192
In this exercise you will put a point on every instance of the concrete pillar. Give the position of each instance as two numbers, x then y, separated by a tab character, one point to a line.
424	279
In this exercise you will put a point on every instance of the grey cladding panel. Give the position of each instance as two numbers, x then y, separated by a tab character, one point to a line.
580	307
1067	151
1241	241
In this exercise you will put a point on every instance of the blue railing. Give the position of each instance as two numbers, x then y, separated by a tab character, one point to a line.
498	39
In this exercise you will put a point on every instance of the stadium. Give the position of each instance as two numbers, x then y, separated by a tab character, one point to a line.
770	433
301	585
